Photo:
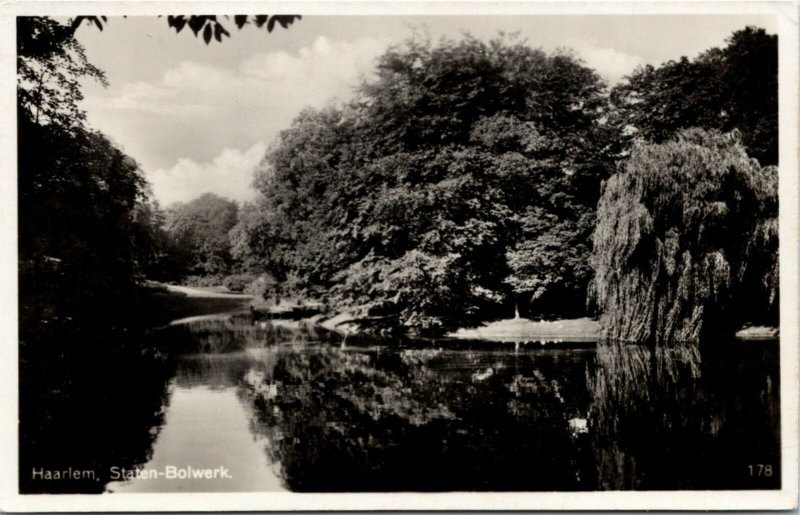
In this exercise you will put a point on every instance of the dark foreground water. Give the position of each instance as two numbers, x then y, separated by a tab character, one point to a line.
227	405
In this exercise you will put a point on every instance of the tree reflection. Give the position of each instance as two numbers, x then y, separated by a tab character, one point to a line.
673	418
235	333
418	420
370	417
106	414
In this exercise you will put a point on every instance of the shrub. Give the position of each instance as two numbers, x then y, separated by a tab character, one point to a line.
238	282
202	281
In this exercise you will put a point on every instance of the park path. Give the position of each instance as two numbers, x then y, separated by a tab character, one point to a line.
199	292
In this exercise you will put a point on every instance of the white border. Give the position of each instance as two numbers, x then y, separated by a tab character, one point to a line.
10	500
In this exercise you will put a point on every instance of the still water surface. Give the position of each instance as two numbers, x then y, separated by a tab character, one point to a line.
299	409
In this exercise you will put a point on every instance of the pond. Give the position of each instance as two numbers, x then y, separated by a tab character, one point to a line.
227	404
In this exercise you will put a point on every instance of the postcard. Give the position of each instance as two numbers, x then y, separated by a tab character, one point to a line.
399	256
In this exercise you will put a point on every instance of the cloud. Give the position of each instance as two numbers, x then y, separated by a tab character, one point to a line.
188	89
190	117
234	106
611	64
316	75
230	175
325	69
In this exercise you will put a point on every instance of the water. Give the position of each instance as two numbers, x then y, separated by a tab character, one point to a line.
296	408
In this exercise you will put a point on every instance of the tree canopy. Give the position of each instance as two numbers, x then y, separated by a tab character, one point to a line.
724	89
422	197
50	65
198	231
687	241
81	199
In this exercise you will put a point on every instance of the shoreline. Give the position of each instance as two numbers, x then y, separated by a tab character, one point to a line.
518	330
511	330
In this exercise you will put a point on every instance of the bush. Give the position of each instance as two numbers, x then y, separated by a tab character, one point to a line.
261	286
238	282
203	281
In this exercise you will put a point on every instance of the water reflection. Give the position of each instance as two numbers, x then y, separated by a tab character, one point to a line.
106	414
287	406
673	418
206	429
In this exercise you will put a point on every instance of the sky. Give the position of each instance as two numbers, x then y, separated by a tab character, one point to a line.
200	118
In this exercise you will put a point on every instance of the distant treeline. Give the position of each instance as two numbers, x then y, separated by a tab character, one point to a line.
460	184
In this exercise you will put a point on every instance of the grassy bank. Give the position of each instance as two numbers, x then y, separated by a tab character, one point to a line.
518	329
578	329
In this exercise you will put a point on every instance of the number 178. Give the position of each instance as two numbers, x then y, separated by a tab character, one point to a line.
760	470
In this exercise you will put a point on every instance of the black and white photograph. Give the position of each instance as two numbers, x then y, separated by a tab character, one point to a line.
428	257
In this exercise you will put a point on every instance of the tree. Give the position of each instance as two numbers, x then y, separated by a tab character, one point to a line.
658	102
750	76
50	65
410	198
77	196
521	132
156	256
686	244
725	89
199	230
77	191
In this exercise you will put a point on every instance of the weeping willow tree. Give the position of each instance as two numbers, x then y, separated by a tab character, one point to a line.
686	241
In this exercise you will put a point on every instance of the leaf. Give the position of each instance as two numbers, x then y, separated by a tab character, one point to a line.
218	30
207	34
271	23
261	19
196	23
179	23
240	20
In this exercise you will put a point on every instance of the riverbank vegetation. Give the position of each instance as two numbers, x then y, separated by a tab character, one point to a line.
686	241
461	182
467	181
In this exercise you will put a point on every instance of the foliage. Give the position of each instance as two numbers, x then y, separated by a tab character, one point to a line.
199	229
238	282
87	230
410	197
77	224
686	244
461	181
262	287
731	88
209	26
50	65
77	191
553	266
212	27
156	256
